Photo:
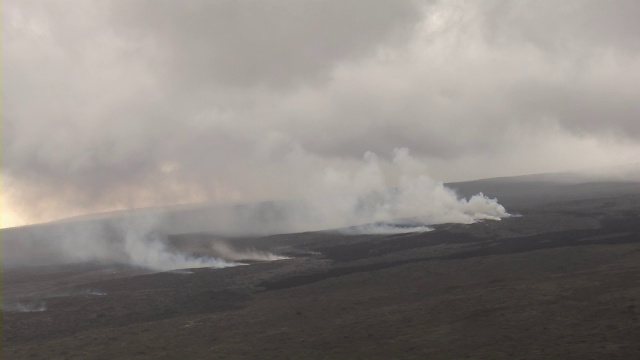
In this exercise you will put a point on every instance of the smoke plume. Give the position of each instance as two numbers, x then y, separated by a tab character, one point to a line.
375	197
135	240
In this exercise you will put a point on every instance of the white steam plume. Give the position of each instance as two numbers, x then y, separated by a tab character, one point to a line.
374	197
145	247
404	191
135	240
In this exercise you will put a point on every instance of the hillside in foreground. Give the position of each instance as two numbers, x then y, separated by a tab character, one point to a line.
561	281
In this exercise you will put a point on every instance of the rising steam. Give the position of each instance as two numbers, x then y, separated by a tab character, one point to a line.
405	191
375	197
135	240
145	247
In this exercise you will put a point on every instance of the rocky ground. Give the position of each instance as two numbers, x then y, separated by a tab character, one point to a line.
561	281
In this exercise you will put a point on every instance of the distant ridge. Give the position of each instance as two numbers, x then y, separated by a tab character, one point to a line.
520	190
625	172
536	189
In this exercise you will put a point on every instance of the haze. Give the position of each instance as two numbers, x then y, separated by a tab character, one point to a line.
121	104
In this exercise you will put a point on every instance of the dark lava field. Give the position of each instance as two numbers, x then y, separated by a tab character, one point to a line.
559	281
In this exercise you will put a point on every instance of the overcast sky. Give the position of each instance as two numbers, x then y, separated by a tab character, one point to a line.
120	104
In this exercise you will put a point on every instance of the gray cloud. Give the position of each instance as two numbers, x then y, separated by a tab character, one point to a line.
248	43
123	104
564	26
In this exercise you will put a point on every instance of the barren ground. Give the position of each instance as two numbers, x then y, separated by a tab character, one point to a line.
560	282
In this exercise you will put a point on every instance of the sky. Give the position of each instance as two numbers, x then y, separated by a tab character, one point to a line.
120	104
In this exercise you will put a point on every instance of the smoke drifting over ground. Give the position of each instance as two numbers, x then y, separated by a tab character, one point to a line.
135	240
228	252
22	307
385	229
378	196
146	247
77	292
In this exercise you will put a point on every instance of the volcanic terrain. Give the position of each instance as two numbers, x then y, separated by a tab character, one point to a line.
561	280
